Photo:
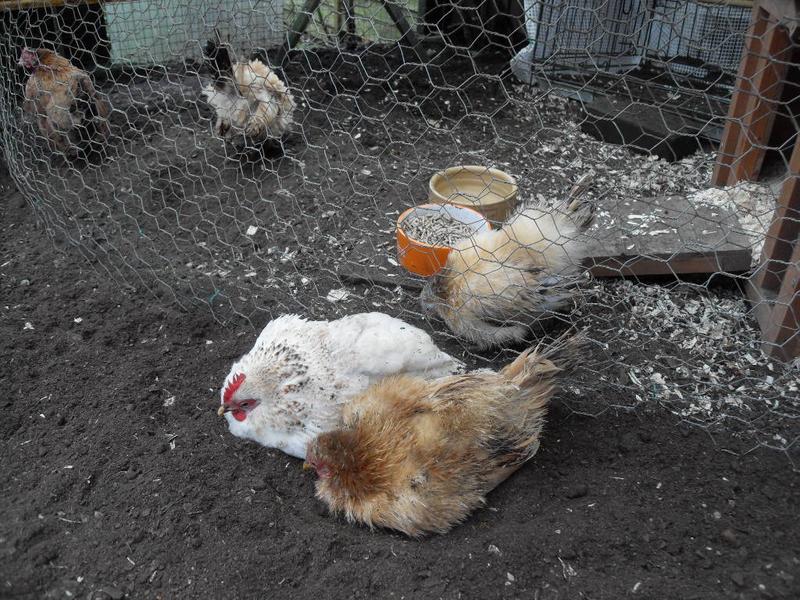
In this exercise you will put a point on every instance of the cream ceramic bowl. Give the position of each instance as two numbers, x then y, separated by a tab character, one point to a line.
491	192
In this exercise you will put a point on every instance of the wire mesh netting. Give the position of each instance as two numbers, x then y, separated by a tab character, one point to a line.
193	194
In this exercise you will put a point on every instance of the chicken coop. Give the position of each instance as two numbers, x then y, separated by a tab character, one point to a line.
633	99
399	299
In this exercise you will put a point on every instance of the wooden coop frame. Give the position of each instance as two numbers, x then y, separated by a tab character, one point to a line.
774	286
303	19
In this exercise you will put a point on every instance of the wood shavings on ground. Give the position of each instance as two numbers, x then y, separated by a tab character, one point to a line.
337	295
753	204
707	365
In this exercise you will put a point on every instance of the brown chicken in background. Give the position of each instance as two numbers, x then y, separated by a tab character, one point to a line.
69	111
418	456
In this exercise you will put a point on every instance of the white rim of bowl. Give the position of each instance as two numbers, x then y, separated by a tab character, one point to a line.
501	176
483	222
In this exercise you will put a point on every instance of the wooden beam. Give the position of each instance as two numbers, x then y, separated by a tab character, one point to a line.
784	229
743	3
782	335
666	235
774	288
300	24
30	4
741	96
399	19
766	89
679	263
347	31
761	301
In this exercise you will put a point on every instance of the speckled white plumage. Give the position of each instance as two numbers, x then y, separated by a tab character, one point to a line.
301	372
254	102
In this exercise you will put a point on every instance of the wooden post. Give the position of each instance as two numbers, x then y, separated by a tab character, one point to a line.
766	89
303	18
399	19
774	288
741	96
299	25
350	21
784	229
782	336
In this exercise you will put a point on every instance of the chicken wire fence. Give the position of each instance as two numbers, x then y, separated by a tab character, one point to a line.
306	222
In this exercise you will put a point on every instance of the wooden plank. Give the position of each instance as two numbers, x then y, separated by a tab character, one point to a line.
783	230
741	96
763	304
374	262
667	235
657	236
31	4
766	89
684	263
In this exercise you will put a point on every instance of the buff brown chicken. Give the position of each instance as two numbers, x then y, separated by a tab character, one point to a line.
497	285
419	456
70	113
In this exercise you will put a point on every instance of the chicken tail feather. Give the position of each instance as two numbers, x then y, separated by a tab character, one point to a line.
545	362
516	438
91	116
580	208
85	101
218	59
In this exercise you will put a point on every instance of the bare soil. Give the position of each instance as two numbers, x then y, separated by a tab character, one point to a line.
118	479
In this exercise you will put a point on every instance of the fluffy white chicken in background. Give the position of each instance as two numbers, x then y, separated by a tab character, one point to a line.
248	98
291	386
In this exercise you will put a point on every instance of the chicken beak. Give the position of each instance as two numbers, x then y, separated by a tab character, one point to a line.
307	466
221	410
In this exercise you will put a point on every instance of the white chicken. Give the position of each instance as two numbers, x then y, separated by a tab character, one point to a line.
292	384
248	98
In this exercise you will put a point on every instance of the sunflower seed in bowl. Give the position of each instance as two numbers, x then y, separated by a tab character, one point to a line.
439	229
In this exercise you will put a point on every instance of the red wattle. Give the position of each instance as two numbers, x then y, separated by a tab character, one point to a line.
239	414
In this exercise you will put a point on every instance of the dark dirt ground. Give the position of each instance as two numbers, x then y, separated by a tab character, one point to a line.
118	479
108	492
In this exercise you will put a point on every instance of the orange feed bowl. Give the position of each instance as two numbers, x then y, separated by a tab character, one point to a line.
491	192
425	259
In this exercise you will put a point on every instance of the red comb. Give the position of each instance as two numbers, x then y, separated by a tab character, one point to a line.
232	386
